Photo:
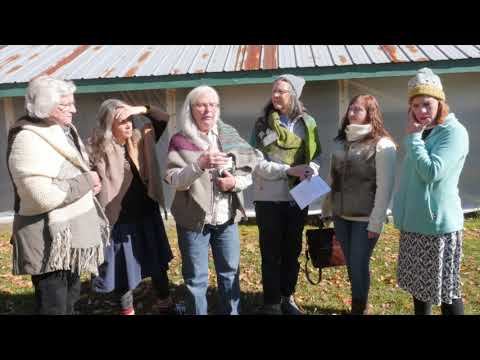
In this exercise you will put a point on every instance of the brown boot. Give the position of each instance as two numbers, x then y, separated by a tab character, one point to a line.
359	307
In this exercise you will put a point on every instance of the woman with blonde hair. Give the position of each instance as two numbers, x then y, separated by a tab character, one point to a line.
126	161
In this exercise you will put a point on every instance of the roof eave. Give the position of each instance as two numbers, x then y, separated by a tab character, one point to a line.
256	77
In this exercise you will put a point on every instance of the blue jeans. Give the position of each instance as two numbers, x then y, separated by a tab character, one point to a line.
357	248
225	243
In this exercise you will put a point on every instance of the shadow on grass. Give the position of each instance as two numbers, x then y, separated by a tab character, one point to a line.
91	303
16	304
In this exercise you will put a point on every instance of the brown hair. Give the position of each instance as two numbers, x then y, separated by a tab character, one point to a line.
374	117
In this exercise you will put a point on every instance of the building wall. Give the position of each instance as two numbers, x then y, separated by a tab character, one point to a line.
462	96
241	105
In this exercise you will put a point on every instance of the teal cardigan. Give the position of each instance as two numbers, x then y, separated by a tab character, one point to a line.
427	200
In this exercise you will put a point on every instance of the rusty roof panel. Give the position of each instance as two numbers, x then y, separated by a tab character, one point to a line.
358	55
452	52
125	65
286	57
11	54
432	52
48	58
18	58
394	53
340	55
81	62
183	63
414	53
141	59
147	60
235	58
200	62
101	63
171	56
321	55
20	63
304	56
376	53
269	59
218	58
251	60
51	70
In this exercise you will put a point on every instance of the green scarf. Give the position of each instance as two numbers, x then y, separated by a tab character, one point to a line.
282	145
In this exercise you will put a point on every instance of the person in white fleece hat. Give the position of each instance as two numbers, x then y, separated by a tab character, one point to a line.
288	139
427	208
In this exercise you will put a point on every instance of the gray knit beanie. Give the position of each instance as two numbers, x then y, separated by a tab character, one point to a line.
296	82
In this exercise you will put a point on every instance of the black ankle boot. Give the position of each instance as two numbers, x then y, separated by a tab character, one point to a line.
359	307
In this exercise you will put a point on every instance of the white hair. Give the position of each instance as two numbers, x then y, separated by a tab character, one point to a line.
43	95
186	123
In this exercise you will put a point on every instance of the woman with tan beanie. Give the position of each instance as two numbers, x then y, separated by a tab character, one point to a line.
427	208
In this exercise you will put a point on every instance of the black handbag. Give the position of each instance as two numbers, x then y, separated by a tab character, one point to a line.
323	249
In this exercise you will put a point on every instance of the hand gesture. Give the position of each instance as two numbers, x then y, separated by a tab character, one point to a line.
125	111
97	184
301	171
210	159
227	182
413	125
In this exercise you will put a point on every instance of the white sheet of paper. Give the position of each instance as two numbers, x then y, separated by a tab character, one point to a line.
309	190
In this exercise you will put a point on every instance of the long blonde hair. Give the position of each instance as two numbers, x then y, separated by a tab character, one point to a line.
102	137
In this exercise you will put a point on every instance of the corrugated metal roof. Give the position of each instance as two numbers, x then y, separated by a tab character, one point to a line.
21	63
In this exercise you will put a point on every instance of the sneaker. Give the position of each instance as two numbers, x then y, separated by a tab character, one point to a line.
270	309
129	311
168	307
289	307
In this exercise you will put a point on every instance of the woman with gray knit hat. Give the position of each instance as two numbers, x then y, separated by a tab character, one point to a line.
427	208
287	137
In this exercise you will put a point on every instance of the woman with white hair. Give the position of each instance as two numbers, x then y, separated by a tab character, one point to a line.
131	194
59	229
209	165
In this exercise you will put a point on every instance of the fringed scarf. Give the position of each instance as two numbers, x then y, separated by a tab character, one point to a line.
80	230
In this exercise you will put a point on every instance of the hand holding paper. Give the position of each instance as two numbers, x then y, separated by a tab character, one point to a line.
309	190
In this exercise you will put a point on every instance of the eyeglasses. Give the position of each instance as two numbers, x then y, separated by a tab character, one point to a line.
280	92
202	106
65	107
356	109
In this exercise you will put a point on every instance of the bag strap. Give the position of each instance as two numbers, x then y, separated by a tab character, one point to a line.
307	258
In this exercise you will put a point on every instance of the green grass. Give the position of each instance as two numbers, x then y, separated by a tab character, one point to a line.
332	296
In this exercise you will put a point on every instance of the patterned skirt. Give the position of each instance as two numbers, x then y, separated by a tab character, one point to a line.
429	266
